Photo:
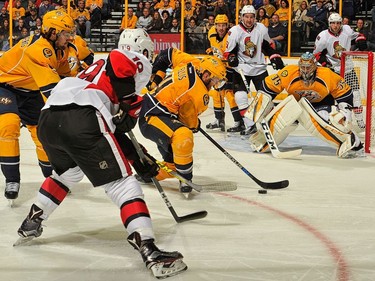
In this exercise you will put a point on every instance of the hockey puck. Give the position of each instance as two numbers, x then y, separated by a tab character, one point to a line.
262	191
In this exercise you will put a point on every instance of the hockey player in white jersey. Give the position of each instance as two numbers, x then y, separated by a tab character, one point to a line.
81	136
330	44
247	44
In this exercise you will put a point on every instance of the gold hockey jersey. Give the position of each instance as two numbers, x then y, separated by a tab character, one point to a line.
326	83
217	45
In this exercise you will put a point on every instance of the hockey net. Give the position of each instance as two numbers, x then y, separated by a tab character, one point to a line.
358	70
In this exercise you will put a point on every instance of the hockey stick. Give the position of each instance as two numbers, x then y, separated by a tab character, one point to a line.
212	187
265	185
269	136
273	146
178	219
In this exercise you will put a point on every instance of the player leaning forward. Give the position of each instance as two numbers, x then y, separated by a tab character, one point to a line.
247	43
96	146
319	99
28	72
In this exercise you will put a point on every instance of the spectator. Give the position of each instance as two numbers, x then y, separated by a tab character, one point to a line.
361	28
245	2
270	9
257	4
316	18
156	23
200	12
45	7
296	5
222	9
18	12
278	33
189	11
145	20
138	10
165	6
23	34
132	20
4	33
167	21
177	11
81	17
175	26
283	11
210	22
95	9
300	14
262	17
345	20
3	15
17	30
30	21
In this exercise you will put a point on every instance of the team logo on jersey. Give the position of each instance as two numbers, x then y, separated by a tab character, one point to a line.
250	48
206	99
47	52
284	73
73	62
5	101
338	49
103	165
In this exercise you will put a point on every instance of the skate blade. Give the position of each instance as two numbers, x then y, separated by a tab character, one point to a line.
186	194
11	203
23	240
161	272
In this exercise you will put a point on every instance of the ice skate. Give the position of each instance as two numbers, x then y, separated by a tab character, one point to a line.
217	124
11	191
31	227
161	263
249	131
238	127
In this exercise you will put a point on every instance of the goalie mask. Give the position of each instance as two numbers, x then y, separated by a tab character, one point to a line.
307	68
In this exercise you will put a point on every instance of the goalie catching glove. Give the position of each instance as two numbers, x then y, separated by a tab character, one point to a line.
128	114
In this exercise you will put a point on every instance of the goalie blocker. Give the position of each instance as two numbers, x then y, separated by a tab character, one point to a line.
332	124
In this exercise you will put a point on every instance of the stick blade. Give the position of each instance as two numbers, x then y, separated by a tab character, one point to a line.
192	216
23	240
285	154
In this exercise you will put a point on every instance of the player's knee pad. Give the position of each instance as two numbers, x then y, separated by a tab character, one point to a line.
182	143
70	177
319	125
242	101
9	134
282	121
259	107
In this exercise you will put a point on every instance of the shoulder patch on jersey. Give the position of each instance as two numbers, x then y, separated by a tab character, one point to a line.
206	99
284	73
47	52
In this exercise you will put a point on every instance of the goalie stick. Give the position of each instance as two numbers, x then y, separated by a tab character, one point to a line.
273	146
178	219
211	187
265	185
269	136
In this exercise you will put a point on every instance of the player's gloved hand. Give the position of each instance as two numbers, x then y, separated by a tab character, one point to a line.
128	115
276	61
233	60
196	130
322	59
361	42
148	168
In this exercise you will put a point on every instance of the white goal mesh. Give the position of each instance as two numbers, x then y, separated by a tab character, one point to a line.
358	70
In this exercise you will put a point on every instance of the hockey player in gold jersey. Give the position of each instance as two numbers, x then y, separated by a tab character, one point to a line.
319	99
28	72
169	113
217	37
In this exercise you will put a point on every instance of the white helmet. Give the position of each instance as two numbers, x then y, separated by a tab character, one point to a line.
334	17
248	9
137	40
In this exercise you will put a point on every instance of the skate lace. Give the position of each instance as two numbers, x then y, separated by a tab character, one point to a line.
12	187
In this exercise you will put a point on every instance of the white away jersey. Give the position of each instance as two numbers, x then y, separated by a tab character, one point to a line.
335	45
249	43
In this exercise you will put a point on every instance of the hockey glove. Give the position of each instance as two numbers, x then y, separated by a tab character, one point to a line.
322	59
148	169
196	130
361	42
233	60
128	114
276	61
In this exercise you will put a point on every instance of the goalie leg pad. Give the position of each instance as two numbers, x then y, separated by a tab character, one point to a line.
282	122
317	126
259	106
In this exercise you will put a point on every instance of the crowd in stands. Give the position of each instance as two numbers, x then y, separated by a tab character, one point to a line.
308	17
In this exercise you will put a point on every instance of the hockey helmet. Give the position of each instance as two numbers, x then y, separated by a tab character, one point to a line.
334	17
58	20
221	18
137	40
307	67
216	68
248	9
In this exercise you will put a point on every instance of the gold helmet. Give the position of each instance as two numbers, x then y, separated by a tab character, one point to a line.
216	68
221	18
58	20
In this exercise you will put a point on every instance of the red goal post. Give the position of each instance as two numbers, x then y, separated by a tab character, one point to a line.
363	65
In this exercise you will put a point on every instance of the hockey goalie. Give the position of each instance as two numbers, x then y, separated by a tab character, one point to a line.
318	99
